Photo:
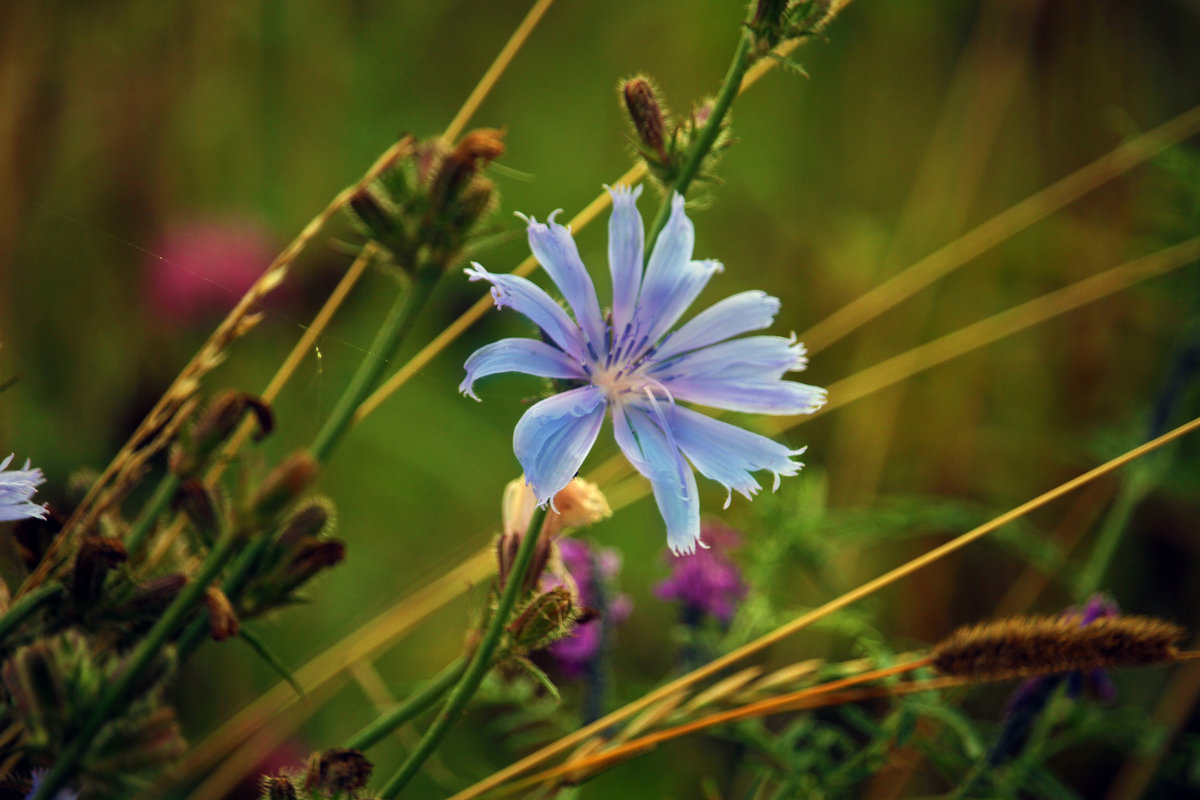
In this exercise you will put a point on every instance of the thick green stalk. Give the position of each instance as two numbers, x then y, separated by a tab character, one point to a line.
150	513
27	605
707	136
398	323
135	667
481	662
412	705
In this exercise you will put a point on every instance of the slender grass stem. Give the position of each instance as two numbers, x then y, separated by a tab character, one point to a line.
27	606
120	689
805	620
730	88
480	663
410	707
398	323
1116	522
998	229
154	507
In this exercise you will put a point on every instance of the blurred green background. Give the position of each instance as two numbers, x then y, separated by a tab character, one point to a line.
126	127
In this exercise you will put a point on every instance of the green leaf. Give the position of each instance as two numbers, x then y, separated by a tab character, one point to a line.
266	654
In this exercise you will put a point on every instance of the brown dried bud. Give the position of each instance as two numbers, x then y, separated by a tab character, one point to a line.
283	487
220	419
97	556
311	557
338	770
195	500
645	110
473	152
506	555
152	597
222	618
310	521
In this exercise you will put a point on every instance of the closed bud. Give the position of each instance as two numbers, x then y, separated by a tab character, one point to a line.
312	556
97	556
277	787
195	500
544	620
282	487
473	152
646	113
216	424
310	521
222	618
150	599
338	770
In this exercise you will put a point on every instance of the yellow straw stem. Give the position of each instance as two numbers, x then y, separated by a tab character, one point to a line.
503	59
998	229
805	620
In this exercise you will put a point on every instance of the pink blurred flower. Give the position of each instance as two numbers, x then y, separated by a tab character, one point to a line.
201	268
593	571
707	581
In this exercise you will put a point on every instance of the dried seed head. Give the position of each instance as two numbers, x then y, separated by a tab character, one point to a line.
646	113
1023	646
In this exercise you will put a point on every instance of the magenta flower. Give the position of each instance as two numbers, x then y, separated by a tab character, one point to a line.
630	362
709	582
593	571
205	267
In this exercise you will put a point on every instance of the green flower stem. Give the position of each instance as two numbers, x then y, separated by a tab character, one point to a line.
481	662
27	605
707	136
150	513
1116	522
412	705
396	326
398	323
118	692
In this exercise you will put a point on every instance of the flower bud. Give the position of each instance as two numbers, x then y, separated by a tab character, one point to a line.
312	520
220	419
641	101
277	787
548	617
311	556
97	556
151	598
195	500
282	487
222	618
580	503
337	771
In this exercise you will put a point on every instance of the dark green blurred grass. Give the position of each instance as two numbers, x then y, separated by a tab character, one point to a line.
122	118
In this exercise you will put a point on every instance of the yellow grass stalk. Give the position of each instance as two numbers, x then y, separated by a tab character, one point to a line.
999	229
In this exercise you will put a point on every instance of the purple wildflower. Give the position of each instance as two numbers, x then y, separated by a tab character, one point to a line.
709	582
592	571
630	362
16	488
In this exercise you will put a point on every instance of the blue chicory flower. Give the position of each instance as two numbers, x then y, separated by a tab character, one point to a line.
16	488
629	362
